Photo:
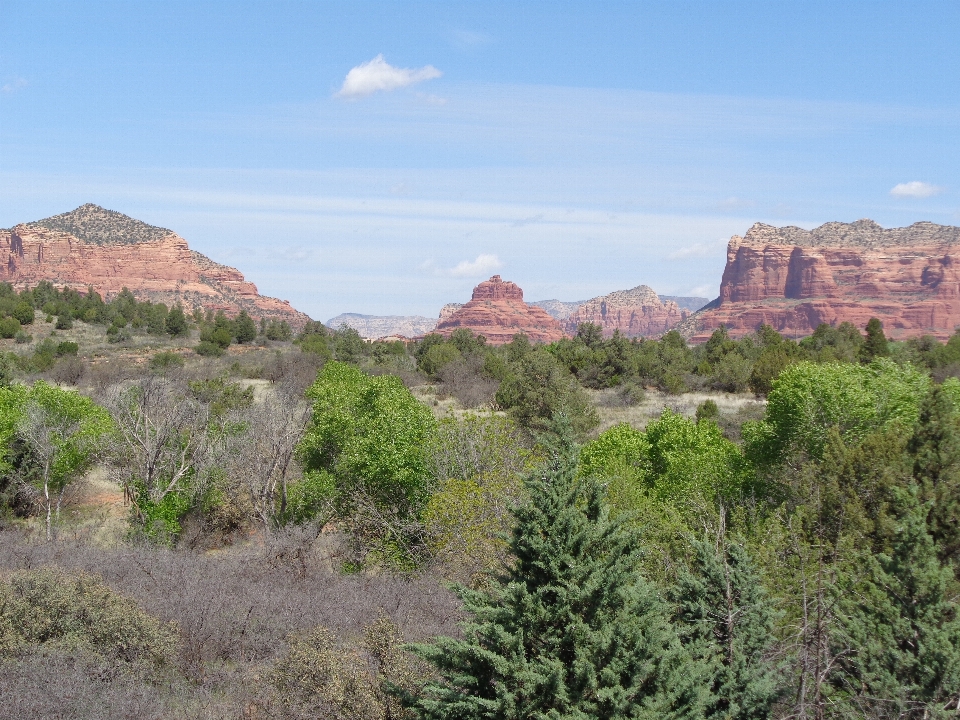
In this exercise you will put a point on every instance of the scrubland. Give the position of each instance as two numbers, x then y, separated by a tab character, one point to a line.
200	517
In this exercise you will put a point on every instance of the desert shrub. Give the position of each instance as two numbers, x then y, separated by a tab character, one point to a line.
295	370
437	357
66	348
64	322
166	360
479	462
707	410
208	349
9	327
22	338
24	313
319	676
79	611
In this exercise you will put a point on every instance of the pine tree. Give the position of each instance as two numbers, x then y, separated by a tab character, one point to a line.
572	631
725	620
244	329
903	628
935	447
176	321
876	343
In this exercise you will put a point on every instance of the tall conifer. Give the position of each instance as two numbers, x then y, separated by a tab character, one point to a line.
571	631
725	620
903	629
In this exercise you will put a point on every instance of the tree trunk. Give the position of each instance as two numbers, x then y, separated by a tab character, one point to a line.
46	495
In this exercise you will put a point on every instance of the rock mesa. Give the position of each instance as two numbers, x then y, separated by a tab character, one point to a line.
795	279
639	312
106	250
497	311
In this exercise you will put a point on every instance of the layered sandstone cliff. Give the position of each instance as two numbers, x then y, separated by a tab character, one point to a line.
638	312
106	250
795	279
497	311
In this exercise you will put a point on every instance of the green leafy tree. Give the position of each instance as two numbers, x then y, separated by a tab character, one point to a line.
809	399
572	631
24	312
725	619
65	431
371	438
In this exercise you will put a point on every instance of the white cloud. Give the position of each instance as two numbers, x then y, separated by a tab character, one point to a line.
14	85
699	250
702	291
733	203
377	74
470	38
915	189
483	265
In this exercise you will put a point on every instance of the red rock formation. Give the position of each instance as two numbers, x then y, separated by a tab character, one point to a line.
637	312
93	247
498	312
795	279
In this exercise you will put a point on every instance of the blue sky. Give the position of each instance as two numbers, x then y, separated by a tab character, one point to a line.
384	157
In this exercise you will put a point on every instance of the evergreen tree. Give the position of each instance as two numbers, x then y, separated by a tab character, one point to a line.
935	446
903	629
571	631
244	328
725	621
176	321
876	343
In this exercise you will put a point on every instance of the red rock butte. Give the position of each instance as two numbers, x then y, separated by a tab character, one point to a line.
497	311
106	250
639	312
795	279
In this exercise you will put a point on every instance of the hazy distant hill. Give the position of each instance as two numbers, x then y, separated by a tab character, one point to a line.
687	303
558	308
378	326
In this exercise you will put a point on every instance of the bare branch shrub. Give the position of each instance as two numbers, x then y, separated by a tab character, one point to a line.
69	370
261	456
162	436
464	379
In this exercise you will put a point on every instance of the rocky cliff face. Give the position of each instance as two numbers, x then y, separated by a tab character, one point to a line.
497	311
795	279
639	312
106	250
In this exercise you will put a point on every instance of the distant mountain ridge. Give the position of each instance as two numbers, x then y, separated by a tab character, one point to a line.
372	327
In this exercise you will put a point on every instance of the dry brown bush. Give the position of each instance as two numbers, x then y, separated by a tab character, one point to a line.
464	380
238	606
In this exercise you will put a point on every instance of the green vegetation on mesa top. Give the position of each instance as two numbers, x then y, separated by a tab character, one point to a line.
99	226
